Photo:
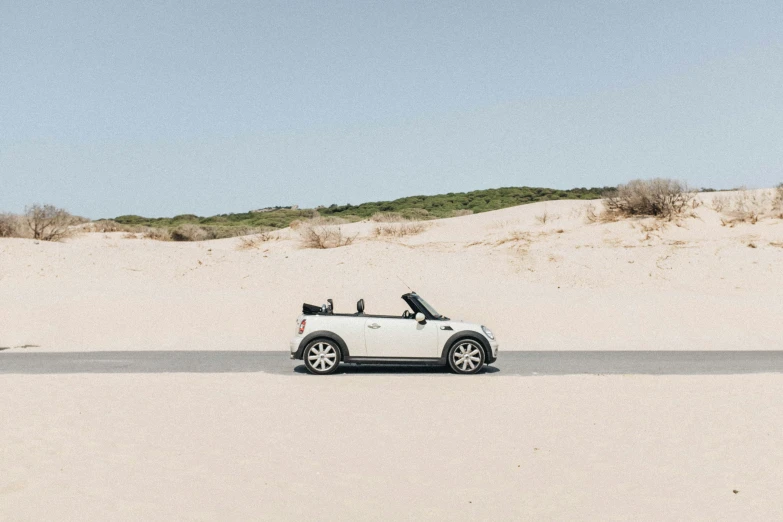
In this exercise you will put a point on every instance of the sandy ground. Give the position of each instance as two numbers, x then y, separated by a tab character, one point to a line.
396	445
560	285
390	447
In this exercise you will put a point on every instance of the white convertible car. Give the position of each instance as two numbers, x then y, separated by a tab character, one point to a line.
420	335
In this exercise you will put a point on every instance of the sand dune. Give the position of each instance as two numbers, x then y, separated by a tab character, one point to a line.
561	285
236	446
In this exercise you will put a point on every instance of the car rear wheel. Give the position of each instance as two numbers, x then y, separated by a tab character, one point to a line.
466	357
322	357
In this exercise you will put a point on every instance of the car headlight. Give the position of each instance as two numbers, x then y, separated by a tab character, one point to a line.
488	332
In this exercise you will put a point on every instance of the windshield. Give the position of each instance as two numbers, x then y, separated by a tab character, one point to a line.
429	308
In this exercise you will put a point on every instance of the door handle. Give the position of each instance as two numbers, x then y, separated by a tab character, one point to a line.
374	326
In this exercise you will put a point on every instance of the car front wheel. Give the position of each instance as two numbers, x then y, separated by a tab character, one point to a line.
466	356
322	357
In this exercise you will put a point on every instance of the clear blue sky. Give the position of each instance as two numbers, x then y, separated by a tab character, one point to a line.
159	108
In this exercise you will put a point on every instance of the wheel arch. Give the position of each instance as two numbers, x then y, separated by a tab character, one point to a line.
323	334
466	334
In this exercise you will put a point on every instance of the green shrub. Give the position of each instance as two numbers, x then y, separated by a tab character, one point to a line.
415	214
413	208
109	225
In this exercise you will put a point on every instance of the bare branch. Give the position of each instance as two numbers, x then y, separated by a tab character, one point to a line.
49	223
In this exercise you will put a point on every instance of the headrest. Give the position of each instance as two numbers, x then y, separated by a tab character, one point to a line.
360	306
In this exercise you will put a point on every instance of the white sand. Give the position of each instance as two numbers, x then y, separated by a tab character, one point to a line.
590	287
383	446
390	447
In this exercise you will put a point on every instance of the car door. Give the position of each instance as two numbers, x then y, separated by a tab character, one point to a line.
350	328
399	337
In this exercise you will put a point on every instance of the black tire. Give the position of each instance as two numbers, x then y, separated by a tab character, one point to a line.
319	353
466	356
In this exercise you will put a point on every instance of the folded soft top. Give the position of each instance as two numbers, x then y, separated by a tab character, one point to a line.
309	309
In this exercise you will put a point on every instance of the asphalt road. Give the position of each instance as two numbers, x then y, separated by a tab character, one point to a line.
509	363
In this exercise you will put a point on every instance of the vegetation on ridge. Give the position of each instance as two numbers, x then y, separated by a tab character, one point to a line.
413	207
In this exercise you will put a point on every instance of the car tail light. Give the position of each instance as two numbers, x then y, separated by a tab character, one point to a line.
302	325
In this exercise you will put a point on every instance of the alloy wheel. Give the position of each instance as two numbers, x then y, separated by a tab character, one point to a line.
322	356
466	357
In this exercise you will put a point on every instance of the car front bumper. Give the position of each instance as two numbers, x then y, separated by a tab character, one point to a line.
494	348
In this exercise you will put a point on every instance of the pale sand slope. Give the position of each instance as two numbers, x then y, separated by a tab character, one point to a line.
390	447
563	285
381	446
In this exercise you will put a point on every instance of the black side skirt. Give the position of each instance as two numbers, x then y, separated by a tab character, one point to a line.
395	360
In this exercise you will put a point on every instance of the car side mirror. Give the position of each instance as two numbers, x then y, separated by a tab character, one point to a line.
420	317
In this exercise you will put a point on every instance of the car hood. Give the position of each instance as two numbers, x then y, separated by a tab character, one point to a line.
462	324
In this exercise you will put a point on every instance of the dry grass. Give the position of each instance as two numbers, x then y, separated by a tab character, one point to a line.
461	212
316	221
515	236
50	223
545	217
592	215
399	229
323	236
387	217
719	202
652	229
191	232
659	197
108	225
322	232
184	232
251	242
749	206
503	223
11	225
43	222
517	240
157	234
410	214
188	232
750	217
